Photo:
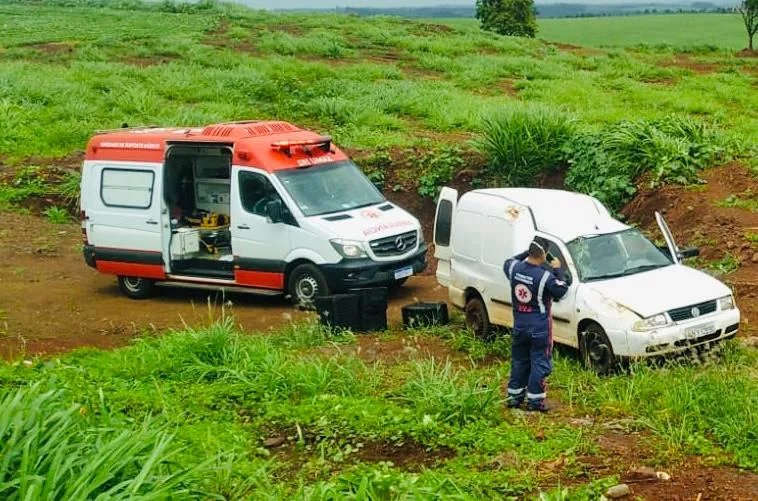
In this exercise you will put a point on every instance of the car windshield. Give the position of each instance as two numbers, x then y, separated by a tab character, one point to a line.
334	187
615	255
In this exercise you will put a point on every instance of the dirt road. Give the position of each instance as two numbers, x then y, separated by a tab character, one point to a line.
51	302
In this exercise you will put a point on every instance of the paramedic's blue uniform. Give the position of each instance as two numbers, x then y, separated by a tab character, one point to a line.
533	289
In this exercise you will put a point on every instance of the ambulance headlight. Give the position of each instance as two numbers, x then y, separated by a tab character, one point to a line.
349	249
651	323
726	303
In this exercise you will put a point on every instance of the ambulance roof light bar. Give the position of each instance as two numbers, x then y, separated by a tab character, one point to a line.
324	143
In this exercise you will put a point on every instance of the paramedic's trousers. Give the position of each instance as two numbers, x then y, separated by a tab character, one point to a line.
531	363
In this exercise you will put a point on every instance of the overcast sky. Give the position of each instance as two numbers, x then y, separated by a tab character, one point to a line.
318	4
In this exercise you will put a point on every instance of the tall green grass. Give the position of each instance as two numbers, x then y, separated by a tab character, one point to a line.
50	450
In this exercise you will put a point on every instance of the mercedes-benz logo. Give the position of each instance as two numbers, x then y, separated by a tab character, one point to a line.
695	312
400	243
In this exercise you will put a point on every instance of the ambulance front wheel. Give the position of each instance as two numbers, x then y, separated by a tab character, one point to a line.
306	283
477	318
135	287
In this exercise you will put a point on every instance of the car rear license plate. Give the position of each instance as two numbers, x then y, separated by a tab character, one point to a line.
699	330
403	272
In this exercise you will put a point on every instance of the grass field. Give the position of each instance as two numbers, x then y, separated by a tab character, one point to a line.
724	31
679	30
214	414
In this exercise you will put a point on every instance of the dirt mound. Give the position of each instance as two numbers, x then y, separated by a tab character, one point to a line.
697	219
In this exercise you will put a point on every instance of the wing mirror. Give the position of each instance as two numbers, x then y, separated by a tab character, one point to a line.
689	252
379	186
274	211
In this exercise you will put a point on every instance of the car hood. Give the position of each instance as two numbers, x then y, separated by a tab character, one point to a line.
368	223
652	292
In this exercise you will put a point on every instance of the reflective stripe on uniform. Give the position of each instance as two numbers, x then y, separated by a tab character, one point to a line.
510	270
511	391
541	291
535	396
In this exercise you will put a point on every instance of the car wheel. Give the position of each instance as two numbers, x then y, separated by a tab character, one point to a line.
596	350
478	319
136	287
305	284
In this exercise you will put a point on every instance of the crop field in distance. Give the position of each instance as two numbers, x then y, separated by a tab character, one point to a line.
724	31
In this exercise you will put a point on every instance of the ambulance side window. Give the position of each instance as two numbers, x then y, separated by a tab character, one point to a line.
256	191
127	188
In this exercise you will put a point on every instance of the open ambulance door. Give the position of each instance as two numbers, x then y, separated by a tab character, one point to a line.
443	229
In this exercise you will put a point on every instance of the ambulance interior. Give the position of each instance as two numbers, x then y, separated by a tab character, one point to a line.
198	194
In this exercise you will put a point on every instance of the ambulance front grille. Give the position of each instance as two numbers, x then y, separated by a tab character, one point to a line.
395	245
692	311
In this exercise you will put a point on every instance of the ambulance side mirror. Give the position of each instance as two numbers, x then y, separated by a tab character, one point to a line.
274	211
379	186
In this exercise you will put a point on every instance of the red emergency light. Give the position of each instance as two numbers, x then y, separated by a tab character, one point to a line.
324	143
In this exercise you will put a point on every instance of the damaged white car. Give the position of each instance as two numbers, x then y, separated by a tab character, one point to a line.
627	297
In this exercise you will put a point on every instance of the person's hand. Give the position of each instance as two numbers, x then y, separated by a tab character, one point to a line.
555	263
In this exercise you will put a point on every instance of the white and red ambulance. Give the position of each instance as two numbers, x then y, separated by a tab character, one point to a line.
262	207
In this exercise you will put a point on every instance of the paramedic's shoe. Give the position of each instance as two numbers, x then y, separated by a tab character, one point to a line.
537	407
515	403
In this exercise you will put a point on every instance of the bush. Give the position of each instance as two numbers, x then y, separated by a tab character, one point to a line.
608	163
522	143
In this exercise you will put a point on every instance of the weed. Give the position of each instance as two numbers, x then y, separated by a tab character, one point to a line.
724	266
56	215
521	144
751	237
69	188
747	200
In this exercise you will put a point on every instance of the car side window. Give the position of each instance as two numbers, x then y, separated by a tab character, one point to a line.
553	251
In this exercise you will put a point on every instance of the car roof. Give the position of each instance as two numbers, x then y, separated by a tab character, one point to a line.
250	140
564	214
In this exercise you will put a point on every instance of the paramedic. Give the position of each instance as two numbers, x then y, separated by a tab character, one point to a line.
534	286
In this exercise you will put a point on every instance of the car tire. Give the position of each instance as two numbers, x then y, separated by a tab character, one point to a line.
596	351
136	287
305	284
478	319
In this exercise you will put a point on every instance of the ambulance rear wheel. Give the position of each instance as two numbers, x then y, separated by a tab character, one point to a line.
135	287
478	319
305	284
596	351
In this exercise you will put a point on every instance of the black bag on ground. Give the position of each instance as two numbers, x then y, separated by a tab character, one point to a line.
373	308
339	311
424	315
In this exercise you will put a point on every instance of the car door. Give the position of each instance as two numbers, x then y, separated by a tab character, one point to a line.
669	237
563	311
260	246
124	220
443	229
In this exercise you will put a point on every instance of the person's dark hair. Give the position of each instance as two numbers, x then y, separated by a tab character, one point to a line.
538	248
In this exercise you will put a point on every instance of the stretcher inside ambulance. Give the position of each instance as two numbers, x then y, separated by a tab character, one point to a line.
262	207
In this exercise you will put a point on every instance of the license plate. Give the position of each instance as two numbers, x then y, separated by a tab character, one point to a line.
403	272
699	330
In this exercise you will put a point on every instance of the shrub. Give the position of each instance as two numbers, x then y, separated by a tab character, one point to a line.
608	163
522	143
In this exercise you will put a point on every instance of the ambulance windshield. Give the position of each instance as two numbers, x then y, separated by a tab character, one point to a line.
335	187
600	257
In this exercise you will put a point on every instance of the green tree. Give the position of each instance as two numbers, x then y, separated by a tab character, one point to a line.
749	11
509	17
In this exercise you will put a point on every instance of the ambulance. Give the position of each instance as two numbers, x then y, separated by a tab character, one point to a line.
627	297
254	206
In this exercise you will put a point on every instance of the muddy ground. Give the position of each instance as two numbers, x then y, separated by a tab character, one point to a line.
51	302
